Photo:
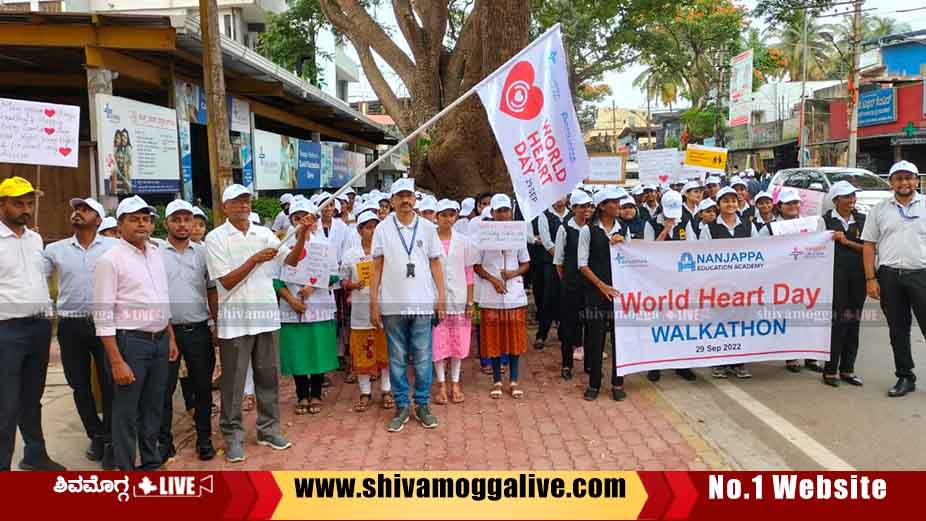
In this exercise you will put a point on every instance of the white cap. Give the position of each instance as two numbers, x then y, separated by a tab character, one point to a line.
92	203
350	190
131	205
788	195
903	166
342	197
841	188
370	206
607	194
652	188
707	203
672	205
178	205
663	187
427	204
637	190
234	192
107	224
624	201
365	217
447	204
749	172
737	180
712	180
254	218
303	205
621	192
691	185
486	213
762	194
579	197
286	199
197	212
404	184
500	201
726	191
467	206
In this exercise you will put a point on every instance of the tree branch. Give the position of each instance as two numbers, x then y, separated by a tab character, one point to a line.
407	23
384	92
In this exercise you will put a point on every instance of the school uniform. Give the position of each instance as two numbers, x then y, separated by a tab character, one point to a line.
548	225
848	293
566	253
684	228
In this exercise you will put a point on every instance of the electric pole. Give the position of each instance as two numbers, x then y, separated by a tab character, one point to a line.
220	172
853	84
802	123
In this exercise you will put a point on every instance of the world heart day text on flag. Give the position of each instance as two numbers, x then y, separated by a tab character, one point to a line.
711	303
531	112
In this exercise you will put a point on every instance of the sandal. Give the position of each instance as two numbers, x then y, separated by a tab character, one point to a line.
388	401
315	406
363	403
441	397
248	403
351	378
516	392
327	382
487	369
302	407
496	392
456	394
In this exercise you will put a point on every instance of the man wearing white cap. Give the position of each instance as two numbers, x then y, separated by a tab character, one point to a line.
406	259
108	228
132	319
548	224
193	302
281	221
238	255
896	227
74	259
25	331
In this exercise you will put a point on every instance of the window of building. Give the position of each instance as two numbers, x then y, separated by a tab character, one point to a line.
15	7
50	7
229	23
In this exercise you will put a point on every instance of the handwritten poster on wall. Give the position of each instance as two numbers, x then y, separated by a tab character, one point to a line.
35	133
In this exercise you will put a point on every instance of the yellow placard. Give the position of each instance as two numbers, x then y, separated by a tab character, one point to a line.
365	272
459	495
708	158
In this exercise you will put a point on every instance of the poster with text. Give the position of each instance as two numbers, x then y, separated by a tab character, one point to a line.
34	133
327	164
275	159
309	171
605	169
340	174
239	115
191	102
137	146
663	165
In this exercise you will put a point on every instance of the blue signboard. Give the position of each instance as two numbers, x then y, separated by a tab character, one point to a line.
341	172
309	170
877	107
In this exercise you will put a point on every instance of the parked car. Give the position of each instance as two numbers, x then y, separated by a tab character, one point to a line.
811	181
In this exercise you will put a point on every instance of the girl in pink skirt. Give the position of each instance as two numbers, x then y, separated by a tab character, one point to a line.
451	336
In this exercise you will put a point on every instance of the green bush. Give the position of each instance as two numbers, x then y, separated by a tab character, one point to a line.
267	208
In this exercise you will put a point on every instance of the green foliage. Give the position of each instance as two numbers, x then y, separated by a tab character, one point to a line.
671	142
700	122
291	39
267	208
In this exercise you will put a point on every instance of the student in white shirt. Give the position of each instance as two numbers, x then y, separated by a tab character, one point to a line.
503	304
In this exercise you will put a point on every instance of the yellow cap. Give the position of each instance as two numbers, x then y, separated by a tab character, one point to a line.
15	187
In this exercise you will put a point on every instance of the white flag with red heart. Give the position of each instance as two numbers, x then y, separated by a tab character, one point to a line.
530	108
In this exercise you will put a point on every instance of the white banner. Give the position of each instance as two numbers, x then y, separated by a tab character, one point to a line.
138	146
709	303
314	267
275	161
34	133
605	169
663	165
531	112
741	88
504	235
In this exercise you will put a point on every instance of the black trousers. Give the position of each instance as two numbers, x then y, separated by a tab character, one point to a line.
848	300
24	346
79	343
903	291
535	274
195	345
309	386
570	327
551	302
600	322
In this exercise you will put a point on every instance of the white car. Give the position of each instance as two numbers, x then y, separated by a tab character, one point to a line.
873	189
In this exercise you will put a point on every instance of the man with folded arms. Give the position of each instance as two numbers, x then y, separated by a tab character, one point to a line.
132	318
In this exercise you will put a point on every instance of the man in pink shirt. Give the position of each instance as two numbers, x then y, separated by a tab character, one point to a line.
132	314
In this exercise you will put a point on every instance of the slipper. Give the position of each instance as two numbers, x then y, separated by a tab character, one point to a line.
363	403
248	403
315	406
441	397
388	401
496	391
302	407
516	392
456	394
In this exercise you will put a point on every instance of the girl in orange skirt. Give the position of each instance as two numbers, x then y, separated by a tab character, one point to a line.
503	304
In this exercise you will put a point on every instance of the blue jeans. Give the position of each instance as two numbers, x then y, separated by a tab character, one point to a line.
409	333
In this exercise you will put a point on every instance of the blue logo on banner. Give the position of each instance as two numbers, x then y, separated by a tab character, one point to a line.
686	262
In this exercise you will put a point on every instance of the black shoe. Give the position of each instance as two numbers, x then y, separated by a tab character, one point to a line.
831	381
591	394
794	368
46	464
205	452
566	373
95	450
618	394
686	374
654	375
109	459
903	386
852	380
167	453
813	365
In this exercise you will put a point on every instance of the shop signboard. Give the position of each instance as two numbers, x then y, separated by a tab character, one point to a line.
877	107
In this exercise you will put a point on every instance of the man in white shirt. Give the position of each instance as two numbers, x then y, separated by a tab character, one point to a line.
406	258
238	258
25	330
281	221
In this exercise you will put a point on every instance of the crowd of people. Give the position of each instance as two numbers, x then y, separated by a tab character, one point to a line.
401	287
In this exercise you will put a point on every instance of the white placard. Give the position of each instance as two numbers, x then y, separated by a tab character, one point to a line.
663	165
137	146
793	226
605	169
239	115
741	88
685	304
35	133
276	160
505	235
314	267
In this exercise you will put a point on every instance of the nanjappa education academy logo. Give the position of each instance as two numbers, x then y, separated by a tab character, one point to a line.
686	262
721	261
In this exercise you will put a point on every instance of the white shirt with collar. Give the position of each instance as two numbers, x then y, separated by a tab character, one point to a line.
188	282
559	248
23	286
899	232
74	265
398	293
585	239
252	309
493	262
338	238
543	228
845	224
706	230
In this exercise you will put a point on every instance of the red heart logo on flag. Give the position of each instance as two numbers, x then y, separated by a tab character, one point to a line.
313	280
520	97
64	151
663	178
50	113
49	131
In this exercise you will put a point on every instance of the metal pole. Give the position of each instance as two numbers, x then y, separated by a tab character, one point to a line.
802	136
853	85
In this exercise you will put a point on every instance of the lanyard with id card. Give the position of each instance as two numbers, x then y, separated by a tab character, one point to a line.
409	247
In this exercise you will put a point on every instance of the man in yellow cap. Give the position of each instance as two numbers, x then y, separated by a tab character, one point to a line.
25	329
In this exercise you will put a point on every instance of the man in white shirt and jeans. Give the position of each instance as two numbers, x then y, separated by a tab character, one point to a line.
238	255
403	299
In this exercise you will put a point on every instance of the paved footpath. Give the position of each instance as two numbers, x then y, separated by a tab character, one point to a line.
552	427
